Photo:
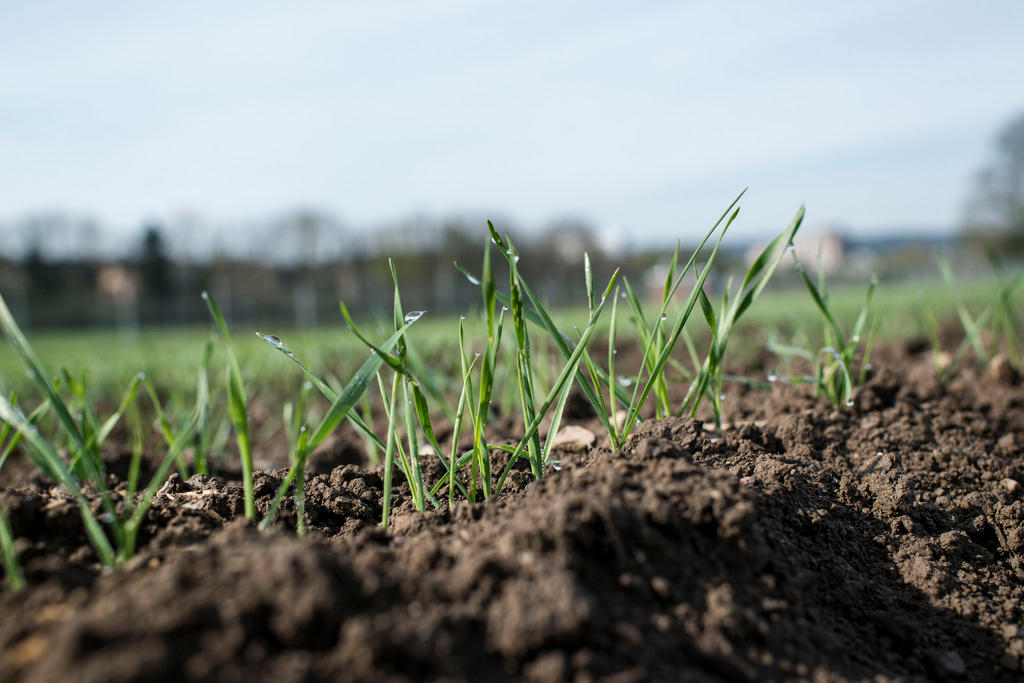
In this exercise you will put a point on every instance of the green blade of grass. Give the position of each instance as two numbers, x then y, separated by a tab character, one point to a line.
42	453
634	409
568	371
482	462
111	422
161	417
87	456
819	300
524	360
556	421
971	327
467	388
540	317
355	388
862	317
202	444
238	410
389	454
300	482
21	346
322	386
16	436
609	421
423	417
15	577
158	479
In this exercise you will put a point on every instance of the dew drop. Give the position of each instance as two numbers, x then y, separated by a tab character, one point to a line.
142	376
413	316
615	352
462	317
205	295
790	248
664	317
516	259
472	280
855	338
722	397
556	468
849	403
622	295
274	341
107	518
772	377
624	381
504	308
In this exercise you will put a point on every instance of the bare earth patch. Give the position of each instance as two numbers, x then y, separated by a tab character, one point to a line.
881	542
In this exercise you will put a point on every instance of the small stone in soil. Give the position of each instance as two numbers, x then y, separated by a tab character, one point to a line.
1001	370
574	438
949	664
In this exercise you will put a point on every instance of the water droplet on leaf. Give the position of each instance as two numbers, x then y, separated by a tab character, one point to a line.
413	316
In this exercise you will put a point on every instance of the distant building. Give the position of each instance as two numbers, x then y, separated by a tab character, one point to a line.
656	276
826	249
119	283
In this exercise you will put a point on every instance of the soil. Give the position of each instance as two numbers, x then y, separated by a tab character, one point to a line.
881	542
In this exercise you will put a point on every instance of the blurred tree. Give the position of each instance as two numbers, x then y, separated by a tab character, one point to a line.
44	278
995	212
154	265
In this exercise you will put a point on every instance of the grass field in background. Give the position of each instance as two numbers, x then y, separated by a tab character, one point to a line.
170	356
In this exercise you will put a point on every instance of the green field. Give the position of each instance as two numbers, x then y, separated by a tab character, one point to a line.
175	397
170	356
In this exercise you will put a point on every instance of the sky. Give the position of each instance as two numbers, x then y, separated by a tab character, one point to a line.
643	118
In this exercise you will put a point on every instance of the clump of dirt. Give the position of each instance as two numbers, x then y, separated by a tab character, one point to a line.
884	541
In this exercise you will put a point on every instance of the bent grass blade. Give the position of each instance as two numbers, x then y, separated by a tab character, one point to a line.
237	408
